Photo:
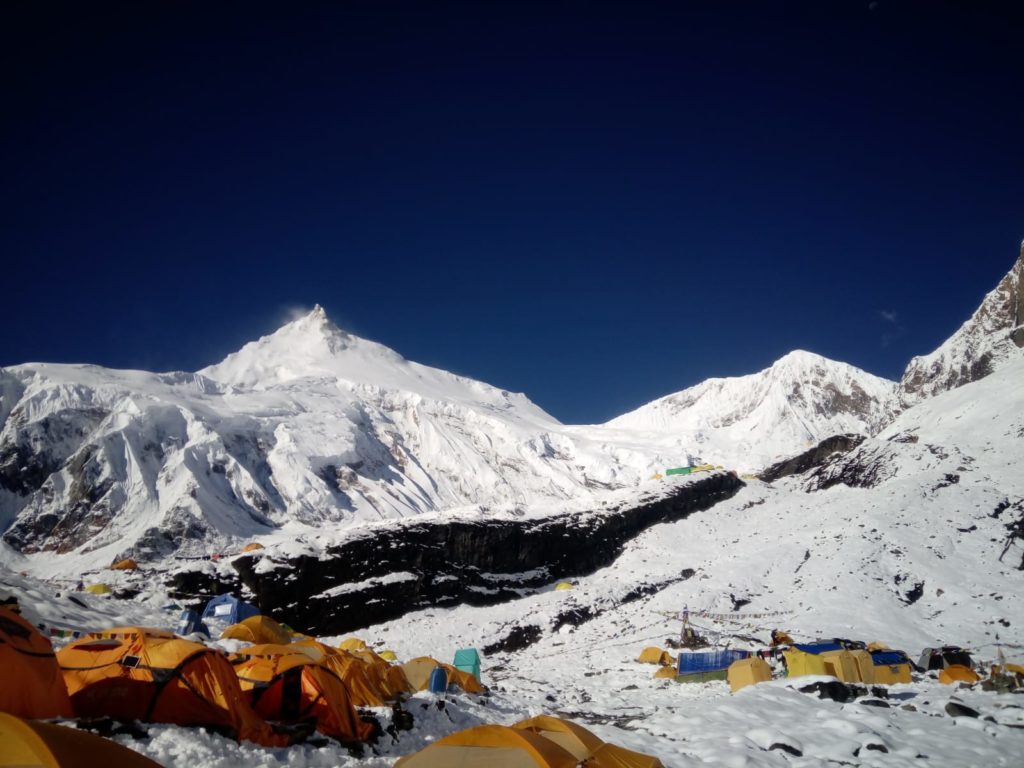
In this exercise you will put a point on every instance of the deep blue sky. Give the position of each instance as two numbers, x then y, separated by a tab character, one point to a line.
593	204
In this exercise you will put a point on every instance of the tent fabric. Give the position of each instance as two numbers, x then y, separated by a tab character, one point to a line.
131	674
614	756
127	564
467	660
958	673
562	586
748	672
258	629
875	645
190	623
709	661
389	656
490	746
364	682
865	666
565	733
799	663
418	670
33	684
668	673
652	654
285	684
841	665
252	547
98	589
353	644
229	608
27	743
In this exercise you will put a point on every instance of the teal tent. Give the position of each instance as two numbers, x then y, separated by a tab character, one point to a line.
467	660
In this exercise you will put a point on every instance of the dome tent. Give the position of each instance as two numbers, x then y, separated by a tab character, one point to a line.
33	685
31	743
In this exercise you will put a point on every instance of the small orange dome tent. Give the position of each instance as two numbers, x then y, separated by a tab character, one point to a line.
258	629
33	685
134	673
41	745
958	673
366	687
491	745
127	564
252	547
285	684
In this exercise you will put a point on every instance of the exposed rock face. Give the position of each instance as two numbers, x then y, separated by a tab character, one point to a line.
994	334
816	456
382	575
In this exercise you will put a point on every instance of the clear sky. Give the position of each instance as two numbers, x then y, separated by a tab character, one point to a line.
596	204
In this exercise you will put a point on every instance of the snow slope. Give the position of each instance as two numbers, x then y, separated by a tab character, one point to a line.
756	419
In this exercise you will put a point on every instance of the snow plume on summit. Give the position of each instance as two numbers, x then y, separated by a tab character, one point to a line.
801	399
992	336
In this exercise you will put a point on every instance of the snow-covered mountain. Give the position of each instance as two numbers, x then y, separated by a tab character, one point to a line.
993	335
752	420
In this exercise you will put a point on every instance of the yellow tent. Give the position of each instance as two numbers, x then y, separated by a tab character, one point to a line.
799	663
958	673
418	670
33	685
258	629
865	666
841	665
654	655
490	746
748	672
125	565
353	644
667	673
562	585
31	744
614	756
252	547
566	734
389	656
98	589
889	674
133	673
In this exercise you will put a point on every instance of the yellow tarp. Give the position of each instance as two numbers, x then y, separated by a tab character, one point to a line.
958	673
98	589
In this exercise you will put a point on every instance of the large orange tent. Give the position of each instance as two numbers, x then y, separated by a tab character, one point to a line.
133	673
585	746
33	685
286	684
364	688
31	744
491	746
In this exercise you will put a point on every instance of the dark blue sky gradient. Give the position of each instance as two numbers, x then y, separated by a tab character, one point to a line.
594	204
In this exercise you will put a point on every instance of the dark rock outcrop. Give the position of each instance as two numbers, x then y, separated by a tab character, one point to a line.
811	458
383	574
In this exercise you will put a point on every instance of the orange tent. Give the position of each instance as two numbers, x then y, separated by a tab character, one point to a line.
364	686
33	685
258	629
956	673
565	733
125	565
133	673
491	745
286	684
41	745
252	547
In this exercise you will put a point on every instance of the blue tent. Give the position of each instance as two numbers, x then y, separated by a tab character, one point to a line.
467	660
190	623
817	648
230	609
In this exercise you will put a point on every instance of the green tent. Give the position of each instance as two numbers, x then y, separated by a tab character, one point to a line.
678	471
467	660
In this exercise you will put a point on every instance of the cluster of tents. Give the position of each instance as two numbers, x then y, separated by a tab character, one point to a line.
539	742
275	692
849	661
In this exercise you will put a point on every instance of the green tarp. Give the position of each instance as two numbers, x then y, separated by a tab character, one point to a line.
679	471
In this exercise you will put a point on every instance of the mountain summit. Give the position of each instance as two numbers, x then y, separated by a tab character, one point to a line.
799	400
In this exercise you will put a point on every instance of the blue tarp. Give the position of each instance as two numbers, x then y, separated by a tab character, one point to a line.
229	608
887	658
709	661
190	623
817	648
